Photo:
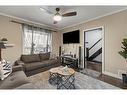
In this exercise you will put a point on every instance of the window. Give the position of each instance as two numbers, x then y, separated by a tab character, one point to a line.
36	40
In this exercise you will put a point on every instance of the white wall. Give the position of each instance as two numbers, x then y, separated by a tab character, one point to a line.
13	33
73	48
115	29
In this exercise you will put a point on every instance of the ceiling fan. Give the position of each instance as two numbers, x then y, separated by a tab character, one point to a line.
57	16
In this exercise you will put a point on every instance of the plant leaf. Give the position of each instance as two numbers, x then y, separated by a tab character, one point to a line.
123	54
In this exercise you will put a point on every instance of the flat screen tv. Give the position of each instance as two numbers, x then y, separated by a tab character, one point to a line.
71	37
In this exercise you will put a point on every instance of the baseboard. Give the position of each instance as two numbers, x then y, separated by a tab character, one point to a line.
112	74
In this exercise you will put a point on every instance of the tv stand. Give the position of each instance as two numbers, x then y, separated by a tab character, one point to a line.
70	62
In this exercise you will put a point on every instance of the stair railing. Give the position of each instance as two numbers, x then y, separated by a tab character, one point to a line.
95	43
88	49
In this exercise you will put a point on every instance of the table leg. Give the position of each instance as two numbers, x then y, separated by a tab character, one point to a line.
67	82
53	78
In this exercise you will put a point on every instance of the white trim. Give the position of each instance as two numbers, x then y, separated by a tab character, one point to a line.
112	74
103	49
92	28
103	45
93	19
29	21
83	60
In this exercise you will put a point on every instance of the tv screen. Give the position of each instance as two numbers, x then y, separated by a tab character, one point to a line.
71	37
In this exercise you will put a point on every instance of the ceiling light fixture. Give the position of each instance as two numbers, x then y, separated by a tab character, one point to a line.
57	17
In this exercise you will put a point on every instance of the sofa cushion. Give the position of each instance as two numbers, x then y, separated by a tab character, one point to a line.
14	80
35	65
51	61
30	58
17	68
44	56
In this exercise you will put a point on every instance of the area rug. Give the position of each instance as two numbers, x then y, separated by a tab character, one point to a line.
40	81
90	72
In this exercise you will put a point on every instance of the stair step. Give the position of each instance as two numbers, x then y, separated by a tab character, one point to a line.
98	52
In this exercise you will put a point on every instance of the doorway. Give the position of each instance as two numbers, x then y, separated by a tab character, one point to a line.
93	49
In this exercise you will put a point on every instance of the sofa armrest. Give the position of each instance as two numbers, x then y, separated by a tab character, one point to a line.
19	62
17	68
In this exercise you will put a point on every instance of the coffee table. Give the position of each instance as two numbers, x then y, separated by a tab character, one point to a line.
64	79
53	78
67	79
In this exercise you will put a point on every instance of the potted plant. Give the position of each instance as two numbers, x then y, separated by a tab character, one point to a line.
123	53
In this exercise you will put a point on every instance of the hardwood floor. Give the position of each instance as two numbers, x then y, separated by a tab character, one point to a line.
105	78
112	81
94	66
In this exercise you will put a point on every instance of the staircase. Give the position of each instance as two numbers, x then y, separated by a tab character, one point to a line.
98	52
95	54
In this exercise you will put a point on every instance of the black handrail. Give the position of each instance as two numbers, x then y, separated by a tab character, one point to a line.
95	43
87	53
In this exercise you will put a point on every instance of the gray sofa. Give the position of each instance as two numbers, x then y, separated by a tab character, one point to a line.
36	63
16	80
30	64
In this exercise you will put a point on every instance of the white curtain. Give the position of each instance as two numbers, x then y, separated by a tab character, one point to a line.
36	40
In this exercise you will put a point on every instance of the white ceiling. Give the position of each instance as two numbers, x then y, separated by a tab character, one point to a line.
84	13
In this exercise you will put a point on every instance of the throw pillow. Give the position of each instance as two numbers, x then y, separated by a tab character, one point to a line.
30	58
5	69
44	56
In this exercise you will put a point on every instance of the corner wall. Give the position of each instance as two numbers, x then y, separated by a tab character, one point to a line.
13	32
115	28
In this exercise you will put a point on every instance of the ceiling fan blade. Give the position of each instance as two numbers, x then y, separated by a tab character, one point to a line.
46	10
55	22
69	14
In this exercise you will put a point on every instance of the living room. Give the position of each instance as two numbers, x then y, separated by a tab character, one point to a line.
22	32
